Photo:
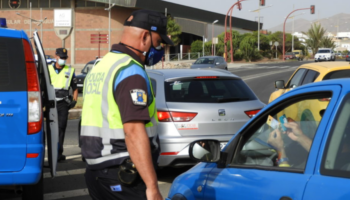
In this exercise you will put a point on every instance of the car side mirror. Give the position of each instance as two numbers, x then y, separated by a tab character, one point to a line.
279	84
205	150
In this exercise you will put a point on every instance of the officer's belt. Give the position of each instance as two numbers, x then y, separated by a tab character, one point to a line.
61	93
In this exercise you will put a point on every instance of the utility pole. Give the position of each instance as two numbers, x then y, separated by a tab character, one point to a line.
261	3
109	22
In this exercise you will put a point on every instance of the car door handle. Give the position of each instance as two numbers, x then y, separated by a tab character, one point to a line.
285	198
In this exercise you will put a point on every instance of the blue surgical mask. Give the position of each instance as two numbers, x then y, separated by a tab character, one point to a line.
154	55
61	62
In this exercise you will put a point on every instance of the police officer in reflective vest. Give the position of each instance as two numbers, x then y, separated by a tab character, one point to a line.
62	78
119	116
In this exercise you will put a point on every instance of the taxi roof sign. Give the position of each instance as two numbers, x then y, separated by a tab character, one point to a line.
3	23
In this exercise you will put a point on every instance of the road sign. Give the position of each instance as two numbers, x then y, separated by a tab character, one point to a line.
215	40
276	43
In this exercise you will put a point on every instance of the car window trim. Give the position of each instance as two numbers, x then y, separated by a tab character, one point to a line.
247	132
194	78
330	172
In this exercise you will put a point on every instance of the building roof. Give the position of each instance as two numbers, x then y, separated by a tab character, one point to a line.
182	11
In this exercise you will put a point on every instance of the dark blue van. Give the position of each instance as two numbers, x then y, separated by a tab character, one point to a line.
27	101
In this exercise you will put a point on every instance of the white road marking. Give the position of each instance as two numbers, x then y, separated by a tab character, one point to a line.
264	74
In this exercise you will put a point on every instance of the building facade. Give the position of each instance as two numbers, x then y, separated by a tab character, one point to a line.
91	17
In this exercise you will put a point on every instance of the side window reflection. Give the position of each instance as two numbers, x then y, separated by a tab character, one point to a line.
285	137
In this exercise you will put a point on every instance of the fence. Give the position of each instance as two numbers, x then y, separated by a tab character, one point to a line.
184	56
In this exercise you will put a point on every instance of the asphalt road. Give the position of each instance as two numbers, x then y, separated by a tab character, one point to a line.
70	183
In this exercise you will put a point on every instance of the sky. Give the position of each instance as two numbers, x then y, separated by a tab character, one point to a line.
275	15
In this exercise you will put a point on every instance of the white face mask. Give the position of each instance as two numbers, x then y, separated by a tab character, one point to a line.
61	62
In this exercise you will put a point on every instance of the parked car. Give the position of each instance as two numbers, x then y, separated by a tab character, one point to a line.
49	59
260	162
84	72
324	54
347	57
289	55
197	104
210	62
298	54
311	72
27	98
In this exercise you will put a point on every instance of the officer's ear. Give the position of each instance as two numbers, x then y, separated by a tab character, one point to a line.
146	40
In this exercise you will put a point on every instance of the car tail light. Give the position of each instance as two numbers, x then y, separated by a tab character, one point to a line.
252	113
347	56
33	89
206	77
164	116
169	153
32	155
325	99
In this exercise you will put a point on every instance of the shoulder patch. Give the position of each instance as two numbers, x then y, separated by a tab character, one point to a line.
138	97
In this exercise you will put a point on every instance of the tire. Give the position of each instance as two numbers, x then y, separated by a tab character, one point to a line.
31	192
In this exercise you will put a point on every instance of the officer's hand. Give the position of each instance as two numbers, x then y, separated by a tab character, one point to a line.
72	104
153	194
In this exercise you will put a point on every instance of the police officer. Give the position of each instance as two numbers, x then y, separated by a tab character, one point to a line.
62	78
119	117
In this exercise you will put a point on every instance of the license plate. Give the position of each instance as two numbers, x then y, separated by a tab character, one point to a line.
222	145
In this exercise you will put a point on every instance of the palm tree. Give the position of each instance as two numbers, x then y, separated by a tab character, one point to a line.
315	36
174	31
328	43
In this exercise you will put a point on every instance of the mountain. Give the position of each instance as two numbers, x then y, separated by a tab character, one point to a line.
330	24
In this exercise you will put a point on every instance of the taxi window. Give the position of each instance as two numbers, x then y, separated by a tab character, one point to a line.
296	80
282	138
336	159
310	77
338	74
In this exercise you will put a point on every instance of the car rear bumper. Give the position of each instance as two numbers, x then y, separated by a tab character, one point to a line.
180	146
31	172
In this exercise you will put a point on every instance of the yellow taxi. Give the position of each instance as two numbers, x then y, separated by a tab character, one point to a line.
309	73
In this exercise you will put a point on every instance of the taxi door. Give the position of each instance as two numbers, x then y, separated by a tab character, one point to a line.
266	165
49	103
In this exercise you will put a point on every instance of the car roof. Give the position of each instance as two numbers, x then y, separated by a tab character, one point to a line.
177	73
7	32
210	57
329	66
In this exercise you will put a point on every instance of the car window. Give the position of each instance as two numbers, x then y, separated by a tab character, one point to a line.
296	52
154	86
338	74
283	137
222	60
310	76
12	65
87	68
205	61
323	51
207	91
336	159
295	81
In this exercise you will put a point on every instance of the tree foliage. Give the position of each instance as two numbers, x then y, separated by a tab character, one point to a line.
174	30
315	38
197	46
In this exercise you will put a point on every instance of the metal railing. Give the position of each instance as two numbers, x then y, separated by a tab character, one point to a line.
184	56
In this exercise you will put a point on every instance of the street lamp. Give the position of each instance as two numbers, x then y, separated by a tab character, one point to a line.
284	25
293	29
109	21
258	11
212	36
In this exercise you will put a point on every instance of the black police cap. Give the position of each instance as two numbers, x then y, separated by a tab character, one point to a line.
62	52
152	21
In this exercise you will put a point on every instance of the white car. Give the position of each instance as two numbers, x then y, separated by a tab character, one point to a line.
325	54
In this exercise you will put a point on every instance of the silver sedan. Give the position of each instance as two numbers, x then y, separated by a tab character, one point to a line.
198	104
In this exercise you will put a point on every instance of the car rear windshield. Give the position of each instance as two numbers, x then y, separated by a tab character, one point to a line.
216	90
338	74
296	52
323	51
12	65
205	61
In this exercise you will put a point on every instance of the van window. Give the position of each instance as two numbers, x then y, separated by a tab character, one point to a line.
12	65
323	51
